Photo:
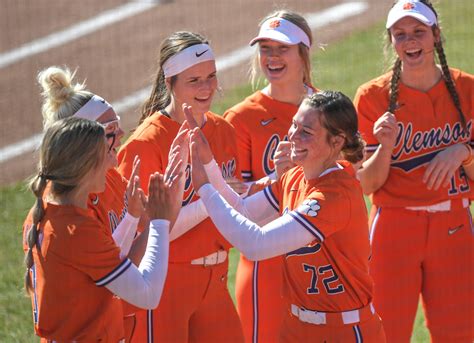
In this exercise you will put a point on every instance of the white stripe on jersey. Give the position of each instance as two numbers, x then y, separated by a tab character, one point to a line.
300	218
114	273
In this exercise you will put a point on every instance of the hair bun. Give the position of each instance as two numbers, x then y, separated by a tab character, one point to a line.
57	85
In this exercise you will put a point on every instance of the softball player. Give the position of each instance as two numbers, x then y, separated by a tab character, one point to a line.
196	305
327	290
74	267
119	207
261	122
417	121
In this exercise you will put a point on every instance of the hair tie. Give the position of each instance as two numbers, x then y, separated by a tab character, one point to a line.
46	176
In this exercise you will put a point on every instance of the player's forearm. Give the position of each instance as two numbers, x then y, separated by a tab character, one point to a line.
143	286
256	242
189	216
124	233
250	207
375	169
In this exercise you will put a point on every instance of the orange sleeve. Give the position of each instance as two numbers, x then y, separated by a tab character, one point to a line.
150	161
244	144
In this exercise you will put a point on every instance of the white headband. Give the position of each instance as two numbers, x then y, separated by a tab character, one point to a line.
93	109
187	58
283	31
411	8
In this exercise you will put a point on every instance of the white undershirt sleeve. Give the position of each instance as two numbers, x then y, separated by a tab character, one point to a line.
256	242
189	216
252	207
143	286
124	233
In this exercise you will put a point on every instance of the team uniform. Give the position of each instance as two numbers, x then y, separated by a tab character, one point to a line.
327	290
261	122
422	240
195	305
110	207
76	260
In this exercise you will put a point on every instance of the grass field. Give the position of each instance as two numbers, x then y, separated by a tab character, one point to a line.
343	65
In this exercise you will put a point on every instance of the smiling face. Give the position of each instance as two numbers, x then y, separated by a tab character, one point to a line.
311	144
414	42
196	87
279	62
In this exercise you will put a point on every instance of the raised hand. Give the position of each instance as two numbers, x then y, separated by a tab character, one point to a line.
135	195
282	159
164	201
443	166
259	185
199	176
203	148
237	185
181	141
188	114
385	130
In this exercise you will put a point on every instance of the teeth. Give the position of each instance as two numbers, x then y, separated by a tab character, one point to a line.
275	67
413	51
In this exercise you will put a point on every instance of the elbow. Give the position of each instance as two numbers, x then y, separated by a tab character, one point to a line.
369	184
151	302
154	302
252	254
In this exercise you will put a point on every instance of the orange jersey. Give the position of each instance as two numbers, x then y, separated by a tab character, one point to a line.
260	123
111	205
151	141
428	122
331	273
77	259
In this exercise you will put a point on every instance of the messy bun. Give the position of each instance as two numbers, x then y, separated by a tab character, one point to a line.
61	98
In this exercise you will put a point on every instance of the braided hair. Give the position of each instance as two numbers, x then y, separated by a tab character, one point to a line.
448	80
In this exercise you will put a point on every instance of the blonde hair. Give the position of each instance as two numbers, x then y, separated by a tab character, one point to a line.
448	80
61	98
70	149
160	97
303	50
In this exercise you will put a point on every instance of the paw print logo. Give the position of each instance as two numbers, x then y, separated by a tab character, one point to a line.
309	207
274	24
408	6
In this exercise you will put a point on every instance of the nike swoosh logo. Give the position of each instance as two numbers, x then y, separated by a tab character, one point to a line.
454	230
202	53
266	122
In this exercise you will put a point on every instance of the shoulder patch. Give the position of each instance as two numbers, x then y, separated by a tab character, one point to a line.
309	207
